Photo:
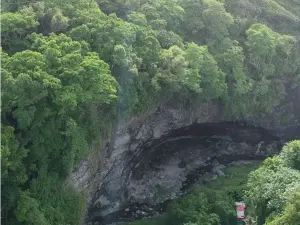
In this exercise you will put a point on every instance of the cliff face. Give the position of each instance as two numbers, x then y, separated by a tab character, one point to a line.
154	158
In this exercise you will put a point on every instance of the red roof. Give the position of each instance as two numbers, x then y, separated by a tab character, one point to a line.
240	208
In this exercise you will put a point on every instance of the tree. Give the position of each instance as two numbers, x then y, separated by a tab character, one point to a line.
173	68
261	43
286	60
13	170
77	12
217	21
163	14
196	209
15	26
290	215
271	187
231	63
207	207
28	210
168	39
47	92
265	95
290	155
213	81
192	23
138	19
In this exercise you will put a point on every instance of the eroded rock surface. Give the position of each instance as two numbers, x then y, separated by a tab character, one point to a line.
158	156
148	171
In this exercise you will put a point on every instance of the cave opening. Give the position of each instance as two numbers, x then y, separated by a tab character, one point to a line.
179	159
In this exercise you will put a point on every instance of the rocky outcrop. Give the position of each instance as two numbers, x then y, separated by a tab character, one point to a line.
148	169
156	157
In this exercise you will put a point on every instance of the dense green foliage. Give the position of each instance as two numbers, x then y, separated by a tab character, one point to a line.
68	69
273	189
48	93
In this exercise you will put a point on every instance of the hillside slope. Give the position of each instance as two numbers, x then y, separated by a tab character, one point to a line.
70	70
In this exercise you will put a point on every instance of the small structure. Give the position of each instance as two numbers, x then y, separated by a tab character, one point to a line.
240	210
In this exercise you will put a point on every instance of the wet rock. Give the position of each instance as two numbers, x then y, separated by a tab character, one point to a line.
167	134
164	163
220	173
218	167
102	201
215	162
209	177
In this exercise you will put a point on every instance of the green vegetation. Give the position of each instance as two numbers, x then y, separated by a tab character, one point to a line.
157	220
68	68
235	179
273	189
212	203
271	192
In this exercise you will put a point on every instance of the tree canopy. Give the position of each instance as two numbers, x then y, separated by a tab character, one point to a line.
273	189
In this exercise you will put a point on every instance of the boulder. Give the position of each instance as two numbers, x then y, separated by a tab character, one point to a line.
220	173
215	162
218	167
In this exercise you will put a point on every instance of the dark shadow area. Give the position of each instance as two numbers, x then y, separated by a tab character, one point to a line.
194	147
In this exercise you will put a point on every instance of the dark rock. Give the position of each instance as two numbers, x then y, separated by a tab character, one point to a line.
209	177
218	167
215	162
220	173
161	169
157	156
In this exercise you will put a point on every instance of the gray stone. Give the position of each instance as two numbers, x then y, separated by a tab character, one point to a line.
220	173
209	177
215	162
137	164
218	167
102	201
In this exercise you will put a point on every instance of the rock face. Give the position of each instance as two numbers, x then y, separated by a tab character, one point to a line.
156	157
149	169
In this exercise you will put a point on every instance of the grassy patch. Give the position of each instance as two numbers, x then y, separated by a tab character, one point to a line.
235	177
157	220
